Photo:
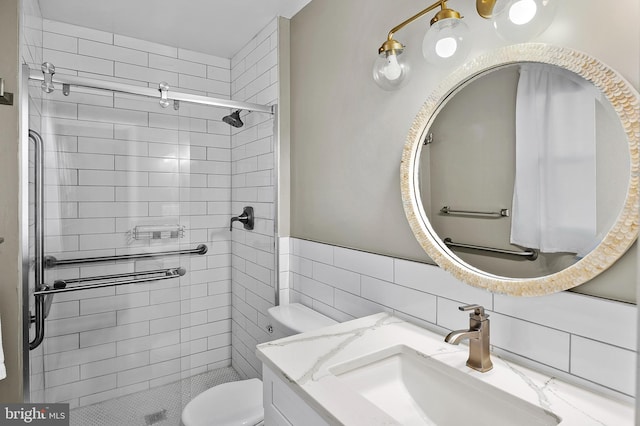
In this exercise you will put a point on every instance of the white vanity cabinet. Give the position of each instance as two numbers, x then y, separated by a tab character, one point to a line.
282	407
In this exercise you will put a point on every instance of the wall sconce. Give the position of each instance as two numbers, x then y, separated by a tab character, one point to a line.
446	40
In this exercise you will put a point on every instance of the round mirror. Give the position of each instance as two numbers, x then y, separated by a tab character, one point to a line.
520	172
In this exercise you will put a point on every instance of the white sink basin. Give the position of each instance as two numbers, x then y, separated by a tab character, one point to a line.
418	390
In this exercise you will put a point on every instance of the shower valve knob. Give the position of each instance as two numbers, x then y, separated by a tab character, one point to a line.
245	218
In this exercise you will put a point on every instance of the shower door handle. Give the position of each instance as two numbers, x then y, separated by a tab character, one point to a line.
246	218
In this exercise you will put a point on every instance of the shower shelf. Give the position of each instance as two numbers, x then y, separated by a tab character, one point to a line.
157	232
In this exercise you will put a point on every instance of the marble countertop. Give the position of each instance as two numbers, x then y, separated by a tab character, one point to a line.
305	360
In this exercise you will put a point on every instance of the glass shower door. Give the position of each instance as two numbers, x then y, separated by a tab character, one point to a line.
125	177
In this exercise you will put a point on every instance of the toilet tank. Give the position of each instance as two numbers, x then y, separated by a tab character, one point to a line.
295	318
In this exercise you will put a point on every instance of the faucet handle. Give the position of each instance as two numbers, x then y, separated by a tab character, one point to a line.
478	311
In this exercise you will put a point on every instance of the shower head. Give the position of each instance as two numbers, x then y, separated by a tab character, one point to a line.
233	119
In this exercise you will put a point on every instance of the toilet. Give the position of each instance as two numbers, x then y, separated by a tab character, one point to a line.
240	403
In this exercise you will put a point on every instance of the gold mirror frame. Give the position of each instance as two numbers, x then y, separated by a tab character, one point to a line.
625	102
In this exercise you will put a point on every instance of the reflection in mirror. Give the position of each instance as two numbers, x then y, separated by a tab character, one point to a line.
570	186
537	142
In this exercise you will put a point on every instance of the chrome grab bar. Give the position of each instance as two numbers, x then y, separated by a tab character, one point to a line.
530	254
41	304
60	286
59	283
52	262
501	213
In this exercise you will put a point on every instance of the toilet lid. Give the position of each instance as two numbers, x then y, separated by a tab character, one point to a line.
230	404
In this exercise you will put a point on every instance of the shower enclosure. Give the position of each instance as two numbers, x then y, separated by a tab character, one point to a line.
132	188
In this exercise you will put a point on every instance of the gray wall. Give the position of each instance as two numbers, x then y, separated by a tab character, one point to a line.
10	305
347	134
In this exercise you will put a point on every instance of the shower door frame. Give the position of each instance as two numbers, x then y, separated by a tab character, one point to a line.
27	74
24	229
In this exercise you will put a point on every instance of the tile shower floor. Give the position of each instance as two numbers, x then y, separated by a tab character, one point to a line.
158	406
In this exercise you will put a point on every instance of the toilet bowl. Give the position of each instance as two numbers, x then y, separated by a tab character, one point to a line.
240	403
229	404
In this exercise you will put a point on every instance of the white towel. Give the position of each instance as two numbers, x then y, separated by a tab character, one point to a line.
3	370
554	199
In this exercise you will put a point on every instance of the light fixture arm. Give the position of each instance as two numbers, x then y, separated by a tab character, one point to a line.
391	45
485	8
441	3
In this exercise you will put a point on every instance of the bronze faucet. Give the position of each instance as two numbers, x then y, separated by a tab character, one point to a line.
478	335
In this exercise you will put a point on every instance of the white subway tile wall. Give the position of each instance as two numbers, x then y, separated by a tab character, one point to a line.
116	161
581	338
253	177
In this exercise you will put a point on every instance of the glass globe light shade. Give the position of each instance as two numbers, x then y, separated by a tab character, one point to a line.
390	70
446	42
521	20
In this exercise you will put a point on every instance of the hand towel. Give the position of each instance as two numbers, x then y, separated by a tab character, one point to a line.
554	199
3	370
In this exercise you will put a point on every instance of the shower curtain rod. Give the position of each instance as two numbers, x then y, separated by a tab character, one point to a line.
149	92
